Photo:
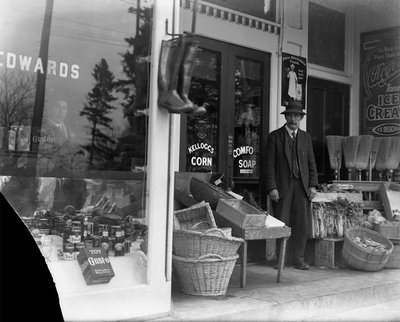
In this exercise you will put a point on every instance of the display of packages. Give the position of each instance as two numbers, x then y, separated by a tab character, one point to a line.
95	266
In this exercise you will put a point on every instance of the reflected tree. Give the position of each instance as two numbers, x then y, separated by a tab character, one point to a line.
17	97
97	109
134	89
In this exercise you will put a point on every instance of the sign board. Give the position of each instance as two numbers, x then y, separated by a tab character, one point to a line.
380	82
294	78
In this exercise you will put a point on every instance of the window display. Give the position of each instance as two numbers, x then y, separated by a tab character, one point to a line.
73	134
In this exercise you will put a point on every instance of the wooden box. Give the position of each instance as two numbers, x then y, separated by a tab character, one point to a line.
390	195
241	213
328	252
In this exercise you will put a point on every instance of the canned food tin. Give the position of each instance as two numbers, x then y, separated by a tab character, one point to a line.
78	248
68	253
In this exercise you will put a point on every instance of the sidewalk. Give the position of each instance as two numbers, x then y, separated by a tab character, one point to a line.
316	294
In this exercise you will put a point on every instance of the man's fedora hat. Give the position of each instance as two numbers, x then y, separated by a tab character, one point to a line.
294	107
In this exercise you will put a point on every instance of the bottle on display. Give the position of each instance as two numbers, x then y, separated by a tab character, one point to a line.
105	241
119	244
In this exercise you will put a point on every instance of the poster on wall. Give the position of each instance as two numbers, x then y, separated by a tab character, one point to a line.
380	82
294	78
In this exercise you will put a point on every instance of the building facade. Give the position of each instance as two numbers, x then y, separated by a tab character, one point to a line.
80	118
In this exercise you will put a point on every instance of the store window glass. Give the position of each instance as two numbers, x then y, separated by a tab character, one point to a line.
74	123
247	133
202	131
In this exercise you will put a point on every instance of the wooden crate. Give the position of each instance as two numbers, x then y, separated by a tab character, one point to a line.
241	213
390	195
328	252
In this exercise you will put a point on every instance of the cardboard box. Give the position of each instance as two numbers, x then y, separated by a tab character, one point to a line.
241	213
95	265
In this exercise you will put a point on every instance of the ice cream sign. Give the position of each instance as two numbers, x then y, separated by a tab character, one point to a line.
246	163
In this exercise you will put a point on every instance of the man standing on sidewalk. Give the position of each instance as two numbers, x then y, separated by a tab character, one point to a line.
291	178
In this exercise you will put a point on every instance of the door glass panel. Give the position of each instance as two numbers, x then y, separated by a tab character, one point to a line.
202	131
247	132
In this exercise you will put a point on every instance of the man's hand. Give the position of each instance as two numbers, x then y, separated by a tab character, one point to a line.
312	192
274	195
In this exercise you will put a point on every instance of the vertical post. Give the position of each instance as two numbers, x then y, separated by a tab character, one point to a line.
41	77
194	17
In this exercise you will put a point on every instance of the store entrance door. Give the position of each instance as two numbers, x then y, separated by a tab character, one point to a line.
327	114
233	83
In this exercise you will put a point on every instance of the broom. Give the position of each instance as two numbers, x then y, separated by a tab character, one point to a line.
393	159
376	142
363	151
350	147
334	143
383	154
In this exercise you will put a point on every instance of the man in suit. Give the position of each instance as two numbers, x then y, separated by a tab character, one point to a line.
291	177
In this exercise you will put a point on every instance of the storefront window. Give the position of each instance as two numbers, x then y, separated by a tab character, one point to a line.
202	131
74	121
247	133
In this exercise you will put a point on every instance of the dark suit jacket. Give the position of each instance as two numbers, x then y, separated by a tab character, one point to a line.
278	167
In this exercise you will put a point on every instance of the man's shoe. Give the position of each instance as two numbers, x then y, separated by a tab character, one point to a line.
303	266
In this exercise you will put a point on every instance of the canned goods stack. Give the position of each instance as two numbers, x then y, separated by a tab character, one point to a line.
93	227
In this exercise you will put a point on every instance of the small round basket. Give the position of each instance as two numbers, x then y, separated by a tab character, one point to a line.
361	258
189	243
208	275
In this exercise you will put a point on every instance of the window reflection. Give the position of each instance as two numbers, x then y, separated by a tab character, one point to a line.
202	131
247	135
73	110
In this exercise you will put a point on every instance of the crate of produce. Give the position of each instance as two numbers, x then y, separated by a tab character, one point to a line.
389	229
188	243
208	275
205	191
241	213
394	258
365	249
196	217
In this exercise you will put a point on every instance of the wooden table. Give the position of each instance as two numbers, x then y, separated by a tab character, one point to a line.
247	234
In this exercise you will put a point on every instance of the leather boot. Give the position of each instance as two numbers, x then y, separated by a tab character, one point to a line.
168	76
191	45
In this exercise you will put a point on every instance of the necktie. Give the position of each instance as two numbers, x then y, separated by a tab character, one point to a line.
295	165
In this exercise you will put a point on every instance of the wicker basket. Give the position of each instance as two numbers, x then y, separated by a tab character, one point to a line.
196	217
208	275
361	258
205	191
194	244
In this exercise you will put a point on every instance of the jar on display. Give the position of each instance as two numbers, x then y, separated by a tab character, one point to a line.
69	252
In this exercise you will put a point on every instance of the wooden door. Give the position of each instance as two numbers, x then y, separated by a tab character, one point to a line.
327	114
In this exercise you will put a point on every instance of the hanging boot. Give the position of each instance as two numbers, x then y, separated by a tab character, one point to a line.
168	76
141	84
191	45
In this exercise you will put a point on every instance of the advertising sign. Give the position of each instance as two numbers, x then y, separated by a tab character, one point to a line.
380	82
294	78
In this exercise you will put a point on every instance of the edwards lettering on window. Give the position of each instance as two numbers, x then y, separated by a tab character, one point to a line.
380	90
21	62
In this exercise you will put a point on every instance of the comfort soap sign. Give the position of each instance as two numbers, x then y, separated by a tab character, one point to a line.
380	82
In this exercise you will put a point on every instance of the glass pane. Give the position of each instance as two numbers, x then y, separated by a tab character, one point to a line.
247	133
202	131
73	117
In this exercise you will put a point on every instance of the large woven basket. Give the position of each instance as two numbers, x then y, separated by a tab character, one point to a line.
196	217
208	275
205	191
361	258
194	244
